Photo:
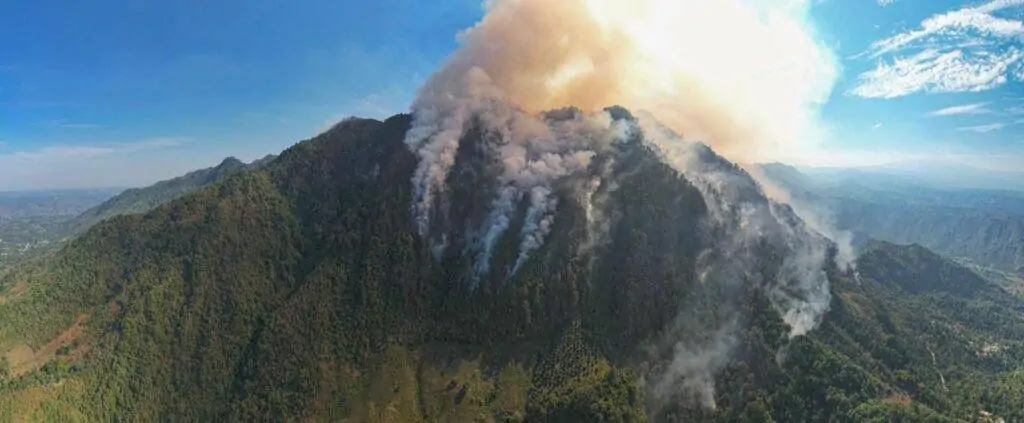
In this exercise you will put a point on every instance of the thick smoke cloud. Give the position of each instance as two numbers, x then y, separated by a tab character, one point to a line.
534	153
743	76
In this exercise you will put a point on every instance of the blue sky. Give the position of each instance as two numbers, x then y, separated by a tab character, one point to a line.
925	79
124	93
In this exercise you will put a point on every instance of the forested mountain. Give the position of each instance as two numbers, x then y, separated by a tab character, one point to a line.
304	291
138	200
985	226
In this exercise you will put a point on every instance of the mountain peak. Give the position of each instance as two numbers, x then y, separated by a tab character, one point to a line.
230	162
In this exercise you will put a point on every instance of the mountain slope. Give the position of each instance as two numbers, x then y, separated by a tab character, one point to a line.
303	291
139	200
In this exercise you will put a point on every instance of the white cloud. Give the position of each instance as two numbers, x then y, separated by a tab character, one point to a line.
58	153
964	50
885	2
81	166
937	72
966	109
982	129
877	125
960	23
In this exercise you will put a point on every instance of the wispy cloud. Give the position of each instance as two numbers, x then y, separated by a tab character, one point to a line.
64	124
885	2
966	109
134	163
937	72
969	49
65	152
877	125
983	129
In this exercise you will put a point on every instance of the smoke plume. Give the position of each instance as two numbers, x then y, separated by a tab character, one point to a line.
748	229
743	76
818	216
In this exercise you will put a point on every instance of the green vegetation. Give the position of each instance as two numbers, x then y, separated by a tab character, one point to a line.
35	223
300	291
140	200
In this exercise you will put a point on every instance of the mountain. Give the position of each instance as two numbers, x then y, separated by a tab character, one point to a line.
985	226
306	291
138	200
953	173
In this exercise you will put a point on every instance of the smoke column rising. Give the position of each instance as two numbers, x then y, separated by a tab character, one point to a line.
745	77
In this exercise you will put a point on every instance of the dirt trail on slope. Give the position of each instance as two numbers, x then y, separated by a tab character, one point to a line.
24	360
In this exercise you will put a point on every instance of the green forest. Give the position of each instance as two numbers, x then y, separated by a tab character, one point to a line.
299	290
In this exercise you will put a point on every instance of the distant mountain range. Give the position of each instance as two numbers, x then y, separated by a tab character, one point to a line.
303	290
983	225
945	174
36	222
50	203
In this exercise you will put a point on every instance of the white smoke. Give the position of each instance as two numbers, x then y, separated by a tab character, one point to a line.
693	368
818	216
534	153
595	198
736	203
439	121
495	226
744	76
743	220
539	218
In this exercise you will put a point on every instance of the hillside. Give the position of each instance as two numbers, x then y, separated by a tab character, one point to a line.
304	291
985	226
139	200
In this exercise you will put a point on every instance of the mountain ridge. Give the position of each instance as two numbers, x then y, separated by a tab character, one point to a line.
986	227
137	200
